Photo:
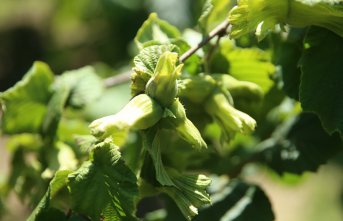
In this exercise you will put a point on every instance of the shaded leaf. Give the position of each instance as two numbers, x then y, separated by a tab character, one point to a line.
301	145
238	201
322	78
287	54
25	177
44	211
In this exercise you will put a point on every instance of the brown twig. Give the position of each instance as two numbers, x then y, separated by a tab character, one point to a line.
118	79
220	30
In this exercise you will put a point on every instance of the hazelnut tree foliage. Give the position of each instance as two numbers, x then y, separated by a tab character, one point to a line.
257	81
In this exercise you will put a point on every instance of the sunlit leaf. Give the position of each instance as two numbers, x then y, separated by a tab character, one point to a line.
31	94
245	64
155	30
214	12
261	16
252	65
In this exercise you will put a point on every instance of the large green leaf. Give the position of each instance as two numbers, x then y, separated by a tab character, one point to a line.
104	186
300	145
322	78
245	64
249	64
24	104
238	201
155	30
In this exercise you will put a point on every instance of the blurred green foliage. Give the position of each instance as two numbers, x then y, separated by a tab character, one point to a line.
71	34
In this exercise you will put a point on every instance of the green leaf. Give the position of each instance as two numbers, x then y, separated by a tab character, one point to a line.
31	94
322	78
245	64
205	13
286	54
68	128
104	186
85	142
44	211
189	192
84	84
214	12
238	201
146	60
54	113
152	142
25	178
155	30
262	16
251	64
58	182
259	16
300	145
30	142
